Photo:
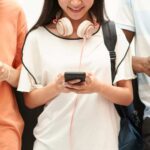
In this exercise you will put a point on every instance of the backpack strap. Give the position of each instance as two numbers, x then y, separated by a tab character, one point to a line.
110	39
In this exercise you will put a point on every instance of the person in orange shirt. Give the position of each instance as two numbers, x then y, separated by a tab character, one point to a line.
13	29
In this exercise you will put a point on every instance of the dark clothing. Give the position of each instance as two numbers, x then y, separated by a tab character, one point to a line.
30	120
139	106
146	133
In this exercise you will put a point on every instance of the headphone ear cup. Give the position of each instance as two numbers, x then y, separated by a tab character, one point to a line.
64	27
86	29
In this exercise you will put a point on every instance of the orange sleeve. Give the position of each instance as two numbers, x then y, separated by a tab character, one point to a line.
21	33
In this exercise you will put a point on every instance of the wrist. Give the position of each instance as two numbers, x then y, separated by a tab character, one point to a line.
54	88
12	76
99	87
138	64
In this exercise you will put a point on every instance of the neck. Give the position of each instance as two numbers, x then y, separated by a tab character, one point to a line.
76	23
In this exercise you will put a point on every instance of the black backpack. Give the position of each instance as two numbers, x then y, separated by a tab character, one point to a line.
129	135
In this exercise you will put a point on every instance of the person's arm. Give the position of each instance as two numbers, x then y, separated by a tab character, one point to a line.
129	35
21	33
120	94
9	74
139	64
41	96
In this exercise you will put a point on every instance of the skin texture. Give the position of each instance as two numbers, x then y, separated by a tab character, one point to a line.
76	10
9	74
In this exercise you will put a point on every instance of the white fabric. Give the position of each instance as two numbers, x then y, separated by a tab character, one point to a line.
134	15
96	122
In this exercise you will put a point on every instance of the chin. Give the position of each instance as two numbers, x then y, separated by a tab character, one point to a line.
76	17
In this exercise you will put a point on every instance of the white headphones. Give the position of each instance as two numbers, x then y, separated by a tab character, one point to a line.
85	29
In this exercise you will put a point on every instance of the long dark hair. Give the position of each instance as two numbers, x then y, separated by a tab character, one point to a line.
51	7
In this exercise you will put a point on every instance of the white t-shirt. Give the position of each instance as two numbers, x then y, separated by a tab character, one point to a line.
134	15
96	122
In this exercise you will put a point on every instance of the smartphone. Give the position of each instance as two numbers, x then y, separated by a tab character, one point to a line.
74	75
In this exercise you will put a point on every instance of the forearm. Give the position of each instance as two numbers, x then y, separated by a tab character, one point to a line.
141	64
120	94
117	95
40	96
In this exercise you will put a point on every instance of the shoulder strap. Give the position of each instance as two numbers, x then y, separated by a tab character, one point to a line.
110	39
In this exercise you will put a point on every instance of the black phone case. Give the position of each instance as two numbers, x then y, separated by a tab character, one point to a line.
74	75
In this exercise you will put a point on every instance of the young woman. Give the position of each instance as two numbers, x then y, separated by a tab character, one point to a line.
77	115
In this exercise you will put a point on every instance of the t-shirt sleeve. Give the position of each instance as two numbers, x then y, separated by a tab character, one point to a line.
21	33
123	58
124	18
31	68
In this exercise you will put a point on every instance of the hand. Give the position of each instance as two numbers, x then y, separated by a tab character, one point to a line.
147	66
60	84
88	86
141	65
4	72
